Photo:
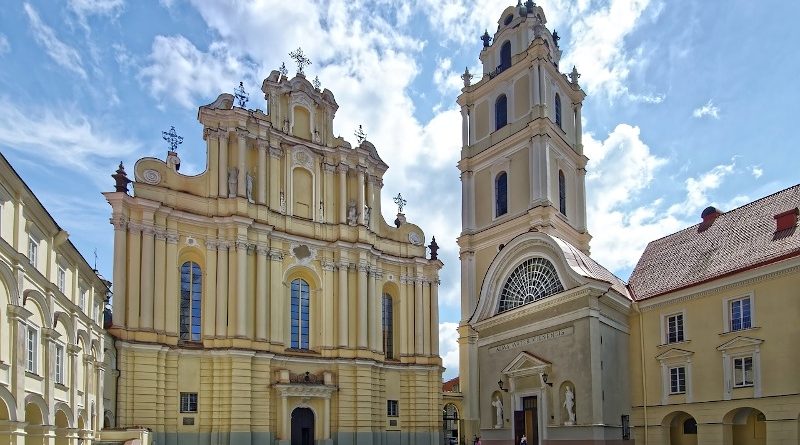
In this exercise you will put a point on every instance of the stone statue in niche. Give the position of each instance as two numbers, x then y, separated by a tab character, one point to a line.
249	186
283	203
569	404
317	138
497	403
321	211
352	213
233	178
286	126
367	214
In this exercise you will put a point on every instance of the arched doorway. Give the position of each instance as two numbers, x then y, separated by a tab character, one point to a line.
302	426
62	424
682	429
746	426
450	425
34	428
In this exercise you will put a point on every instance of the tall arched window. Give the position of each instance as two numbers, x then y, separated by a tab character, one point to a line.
299	314
533	280
558	110
500	112
505	56
388	326
501	194
191	300
562	193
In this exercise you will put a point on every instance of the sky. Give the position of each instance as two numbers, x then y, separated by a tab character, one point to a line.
686	102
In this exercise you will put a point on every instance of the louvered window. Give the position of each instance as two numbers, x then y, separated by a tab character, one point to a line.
534	279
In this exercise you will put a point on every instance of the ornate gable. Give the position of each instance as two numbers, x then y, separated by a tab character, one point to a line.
740	343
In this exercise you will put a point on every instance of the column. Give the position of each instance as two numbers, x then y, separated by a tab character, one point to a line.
371	203
148	250
372	306
342	193
535	94
241	288
402	331
17	317
467	201
209	135
328	324
328	193
222	290
277	297
419	318
263	146
134	242
464	126
275	154
578	128
326	426
160	270
407	282
581	199
210	288
49	337
435	317
284	418
262	288
120	260
241	189
172	291
361	172
426	320
343	305
361	307
223	163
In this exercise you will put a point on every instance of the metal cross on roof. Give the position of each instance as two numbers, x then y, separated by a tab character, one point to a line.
360	135
400	202
172	138
241	95
284	72
300	59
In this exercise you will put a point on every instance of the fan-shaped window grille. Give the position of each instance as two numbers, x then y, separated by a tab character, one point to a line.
532	280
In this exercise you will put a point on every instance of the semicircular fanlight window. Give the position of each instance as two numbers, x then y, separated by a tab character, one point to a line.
534	279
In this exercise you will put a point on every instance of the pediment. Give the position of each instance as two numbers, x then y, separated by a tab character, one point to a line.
525	364
740	342
674	353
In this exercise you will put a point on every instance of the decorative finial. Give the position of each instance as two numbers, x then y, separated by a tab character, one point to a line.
467	77
172	138
300	59
556	38
574	75
241	95
361	136
121	179
434	249
316	82
486	39
284	72
400	202
530	5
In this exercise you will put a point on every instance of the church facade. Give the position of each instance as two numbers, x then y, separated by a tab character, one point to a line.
266	300
544	328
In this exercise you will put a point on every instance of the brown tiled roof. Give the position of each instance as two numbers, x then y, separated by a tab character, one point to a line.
589	268
449	385
738	240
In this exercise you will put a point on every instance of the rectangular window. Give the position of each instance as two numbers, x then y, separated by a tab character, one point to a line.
677	380
59	364
32	349
391	408
82	298
188	402
61	279
740	313
675	328
33	250
742	371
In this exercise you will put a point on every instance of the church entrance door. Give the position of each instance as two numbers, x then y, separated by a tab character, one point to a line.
527	421
302	426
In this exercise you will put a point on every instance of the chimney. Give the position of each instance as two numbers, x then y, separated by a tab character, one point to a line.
709	214
786	220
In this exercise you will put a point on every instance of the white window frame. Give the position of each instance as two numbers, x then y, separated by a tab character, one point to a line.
185	404
740	347
32	349
392	408
672	391
82	292
665	327
59	364
744	383
33	250
727	312
61	278
676	358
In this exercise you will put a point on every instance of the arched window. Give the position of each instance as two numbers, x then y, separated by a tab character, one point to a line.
558	110
501	194
500	112
505	56
299	314
191	299
562	193
534	279
388	326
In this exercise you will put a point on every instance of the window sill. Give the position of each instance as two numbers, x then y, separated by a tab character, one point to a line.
301	351
752	328
34	376
61	386
678	393
664	345
744	386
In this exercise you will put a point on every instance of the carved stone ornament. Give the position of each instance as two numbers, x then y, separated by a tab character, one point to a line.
414	238
191	241
303	253
151	177
302	157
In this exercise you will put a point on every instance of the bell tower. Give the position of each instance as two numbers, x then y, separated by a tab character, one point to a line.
522	163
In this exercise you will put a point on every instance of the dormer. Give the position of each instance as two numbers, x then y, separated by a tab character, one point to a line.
298	108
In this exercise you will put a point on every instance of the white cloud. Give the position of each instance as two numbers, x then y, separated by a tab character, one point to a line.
697	190
709	109
105	8
756	171
448	348
447	81
4	45
63	54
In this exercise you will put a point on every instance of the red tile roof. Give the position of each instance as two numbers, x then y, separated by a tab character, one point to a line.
735	241
450	385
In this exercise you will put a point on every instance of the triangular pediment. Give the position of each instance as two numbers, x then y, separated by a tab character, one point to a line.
526	363
674	353
740	342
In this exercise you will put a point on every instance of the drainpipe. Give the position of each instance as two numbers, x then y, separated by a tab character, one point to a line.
635	307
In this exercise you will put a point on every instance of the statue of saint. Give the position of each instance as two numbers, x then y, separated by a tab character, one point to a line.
249	186
569	404
352	213
367	214
233	178
498	411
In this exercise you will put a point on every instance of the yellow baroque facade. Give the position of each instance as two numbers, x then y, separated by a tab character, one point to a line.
265	300
52	343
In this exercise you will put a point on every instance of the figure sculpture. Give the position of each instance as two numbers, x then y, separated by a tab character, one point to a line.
249	186
367	214
352	213
569	404
498	410
233	177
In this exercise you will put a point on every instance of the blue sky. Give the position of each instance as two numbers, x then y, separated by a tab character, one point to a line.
688	101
